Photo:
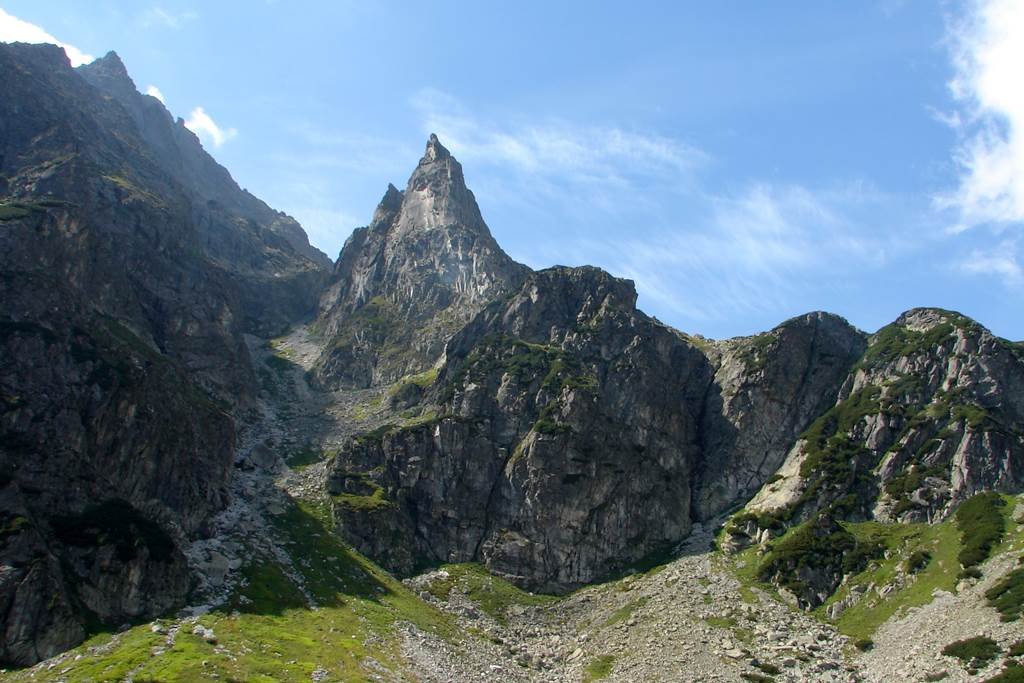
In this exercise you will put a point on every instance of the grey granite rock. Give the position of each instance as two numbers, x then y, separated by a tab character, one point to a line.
406	283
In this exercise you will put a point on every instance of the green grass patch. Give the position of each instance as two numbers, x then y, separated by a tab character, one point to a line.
134	191
625	612
917	561
894	341
376	435
274	636
11	525
827	440
11	210
1012	673
282	366
599	668
422	380
753	351
546	365
748	596
901	542
306	456
375	501
492	594
720	622
942	542
820	544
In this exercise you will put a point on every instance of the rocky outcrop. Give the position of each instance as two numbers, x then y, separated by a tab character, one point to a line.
127	288
569	436
561	448
406	283
510	460
767	390
930	415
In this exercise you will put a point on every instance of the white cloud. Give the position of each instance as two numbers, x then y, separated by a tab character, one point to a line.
987	46
154	91
158	16
14	30
200	123
1001	261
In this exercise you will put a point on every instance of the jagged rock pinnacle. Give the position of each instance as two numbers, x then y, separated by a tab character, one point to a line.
435	150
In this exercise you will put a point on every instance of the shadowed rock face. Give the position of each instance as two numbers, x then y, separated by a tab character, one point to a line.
563	445
406	283
767	389
574	436
130	266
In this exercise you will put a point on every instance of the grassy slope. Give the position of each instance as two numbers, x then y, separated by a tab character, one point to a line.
942	541
267	633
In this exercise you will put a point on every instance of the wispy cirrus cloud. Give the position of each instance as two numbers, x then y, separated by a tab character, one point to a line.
555	148
639	204
158	16
203	125
1003	261
15	30
755	250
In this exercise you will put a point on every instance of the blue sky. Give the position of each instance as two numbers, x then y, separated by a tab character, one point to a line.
742	162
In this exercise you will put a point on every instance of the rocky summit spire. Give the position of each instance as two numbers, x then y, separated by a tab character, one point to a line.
426	254
436	196
435	150
109	74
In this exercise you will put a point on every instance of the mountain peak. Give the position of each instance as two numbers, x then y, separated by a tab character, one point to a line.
109	64
925	318
435	150
430	256
388	208
113	61
110	74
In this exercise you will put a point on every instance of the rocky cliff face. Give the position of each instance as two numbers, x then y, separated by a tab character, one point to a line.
126	289
266	250
560	449
406	283
573	436
766	390
930	415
